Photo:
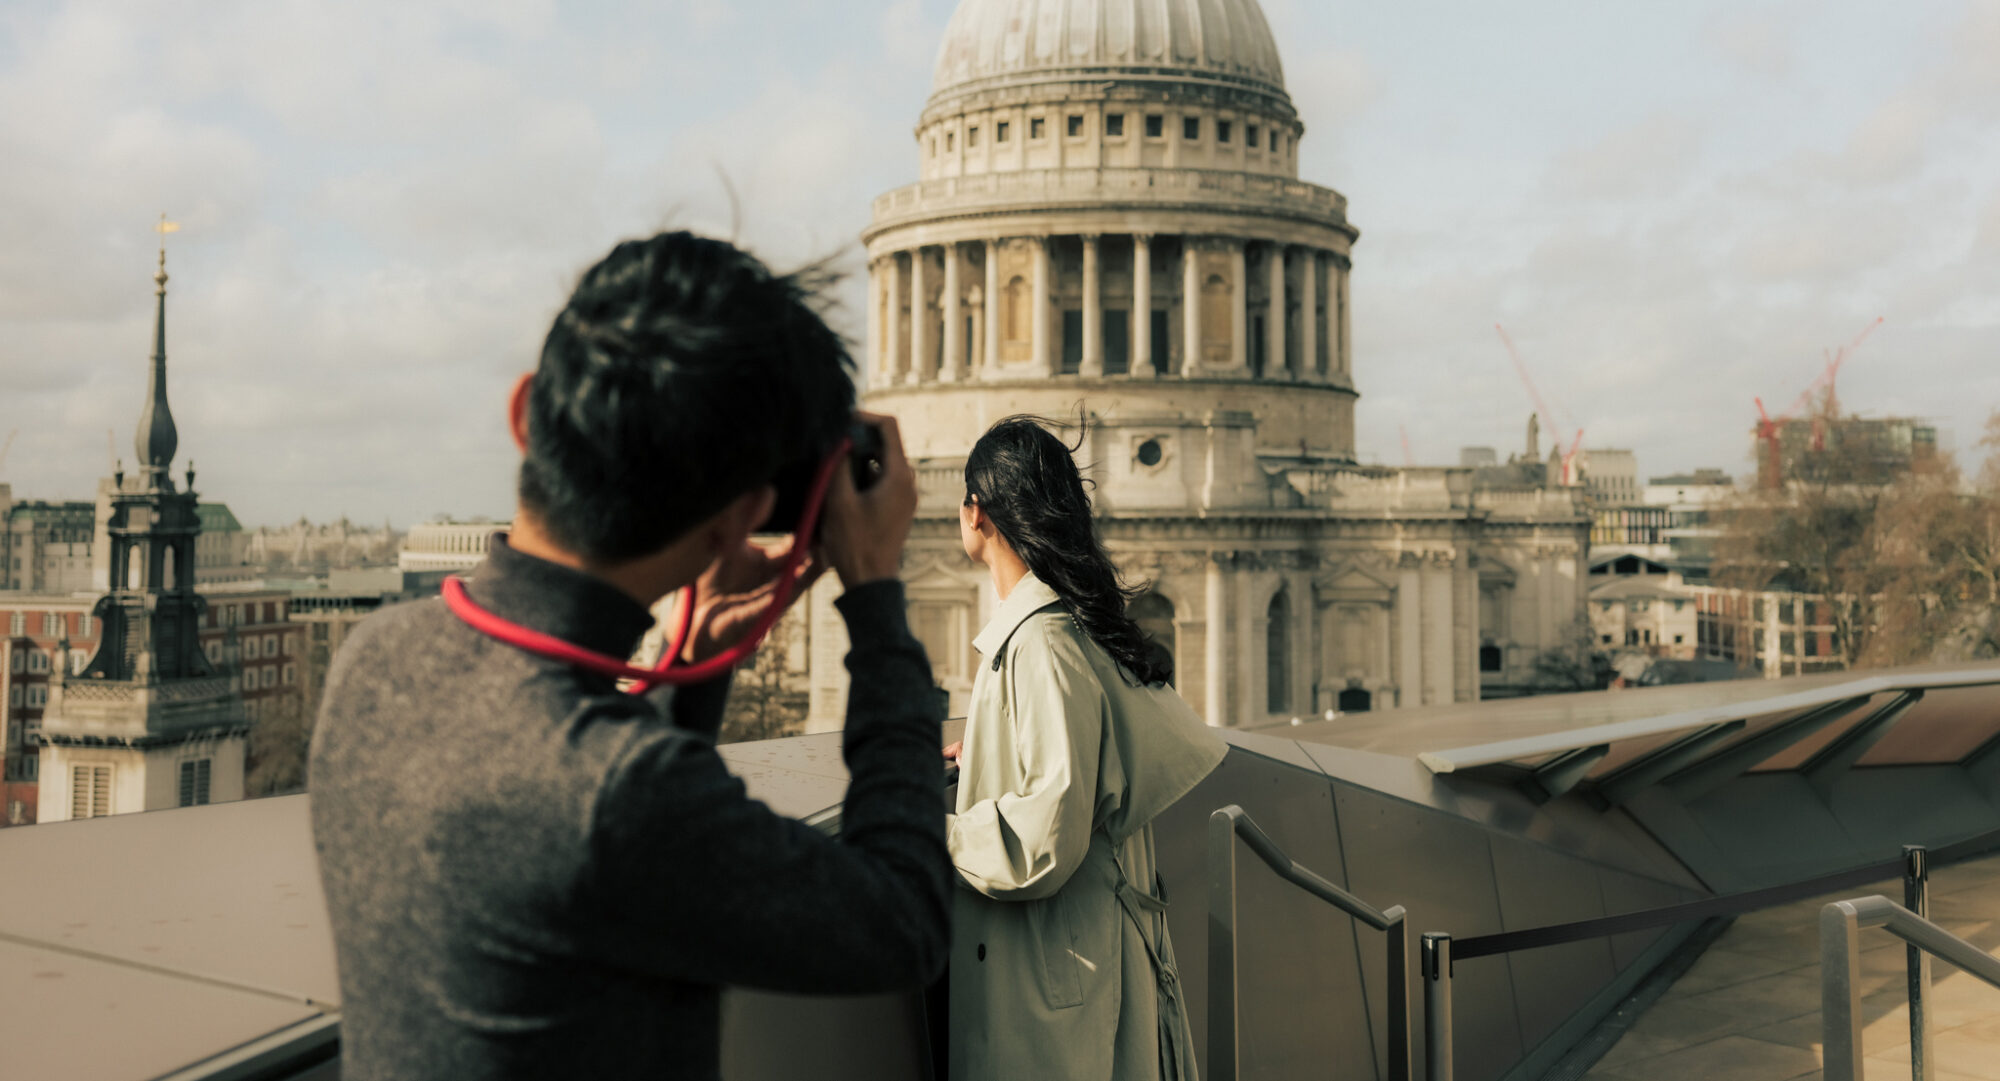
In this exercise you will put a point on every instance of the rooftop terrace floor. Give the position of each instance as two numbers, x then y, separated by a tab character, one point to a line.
1749	1008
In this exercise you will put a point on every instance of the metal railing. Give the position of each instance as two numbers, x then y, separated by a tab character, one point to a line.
1840	925
1224	1008
1438	950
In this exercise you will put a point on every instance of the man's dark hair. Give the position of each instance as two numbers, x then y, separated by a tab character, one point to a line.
682	374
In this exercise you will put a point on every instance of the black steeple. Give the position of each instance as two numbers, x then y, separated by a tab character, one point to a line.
156	439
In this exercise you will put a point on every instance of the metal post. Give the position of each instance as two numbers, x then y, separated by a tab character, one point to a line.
1840	991
1917	898
1397	935
1437	1006
1222	1006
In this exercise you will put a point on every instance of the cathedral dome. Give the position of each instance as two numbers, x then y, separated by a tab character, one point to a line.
997	42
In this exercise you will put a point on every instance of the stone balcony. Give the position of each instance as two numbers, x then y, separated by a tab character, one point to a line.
1046	189
89	710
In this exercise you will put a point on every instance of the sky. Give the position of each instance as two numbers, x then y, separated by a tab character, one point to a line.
1674	207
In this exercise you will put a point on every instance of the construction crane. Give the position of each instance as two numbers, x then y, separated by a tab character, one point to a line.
1542	410
1769	428
1408	458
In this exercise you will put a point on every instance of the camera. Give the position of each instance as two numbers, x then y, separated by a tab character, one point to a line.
794	482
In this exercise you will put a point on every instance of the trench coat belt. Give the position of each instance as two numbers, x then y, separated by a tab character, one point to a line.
1176	1043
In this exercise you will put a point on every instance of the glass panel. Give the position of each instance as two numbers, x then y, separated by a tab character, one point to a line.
1798	754
1945	727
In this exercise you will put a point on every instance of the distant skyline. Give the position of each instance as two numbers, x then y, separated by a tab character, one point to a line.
1673	208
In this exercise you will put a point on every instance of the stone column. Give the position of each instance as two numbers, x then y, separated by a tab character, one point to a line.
954	330
892	333
1093	311
920	338
989	366
1253	640
1190	307
1213	638
1274	318
1409	633
1046	361
1337	308
1141	335
873	356
1305	659
1239	307
1309	316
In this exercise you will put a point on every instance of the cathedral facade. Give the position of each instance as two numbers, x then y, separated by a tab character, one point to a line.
1110	231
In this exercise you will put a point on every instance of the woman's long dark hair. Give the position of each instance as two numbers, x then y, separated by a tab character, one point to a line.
1026	480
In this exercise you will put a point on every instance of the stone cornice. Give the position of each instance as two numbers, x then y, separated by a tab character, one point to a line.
1164	87
1039	195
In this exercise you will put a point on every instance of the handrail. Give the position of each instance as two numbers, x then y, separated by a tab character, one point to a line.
1840	924
1291	871
1224	1009
1730	904
1440	951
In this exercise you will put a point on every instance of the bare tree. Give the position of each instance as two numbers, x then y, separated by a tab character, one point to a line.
1575	664
1904	566
764	699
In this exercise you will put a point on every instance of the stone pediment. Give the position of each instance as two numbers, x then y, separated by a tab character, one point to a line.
1494	572
935	574
1354	582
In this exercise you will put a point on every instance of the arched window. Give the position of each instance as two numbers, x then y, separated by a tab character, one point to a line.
1155	616
1278	653
167	567
1017	319
1355	700
1490	658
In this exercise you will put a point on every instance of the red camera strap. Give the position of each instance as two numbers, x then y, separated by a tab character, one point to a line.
669	670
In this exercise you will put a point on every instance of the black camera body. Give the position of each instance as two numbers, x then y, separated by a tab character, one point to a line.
794	482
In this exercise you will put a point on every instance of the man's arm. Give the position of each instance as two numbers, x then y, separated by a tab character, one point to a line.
698	882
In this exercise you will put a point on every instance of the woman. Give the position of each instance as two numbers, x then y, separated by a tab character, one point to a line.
1074	742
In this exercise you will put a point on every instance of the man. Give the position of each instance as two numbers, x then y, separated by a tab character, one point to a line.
533	874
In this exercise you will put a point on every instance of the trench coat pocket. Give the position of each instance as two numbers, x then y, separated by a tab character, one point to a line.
1054	944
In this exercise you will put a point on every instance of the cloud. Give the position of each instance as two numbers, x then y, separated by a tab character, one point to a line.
1758	41
1651	158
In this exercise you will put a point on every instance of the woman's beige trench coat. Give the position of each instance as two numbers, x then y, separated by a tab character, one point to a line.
1060	964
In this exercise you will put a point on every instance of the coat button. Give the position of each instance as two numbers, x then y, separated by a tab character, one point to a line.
982	951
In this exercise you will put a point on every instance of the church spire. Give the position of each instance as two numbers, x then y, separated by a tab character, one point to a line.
156	439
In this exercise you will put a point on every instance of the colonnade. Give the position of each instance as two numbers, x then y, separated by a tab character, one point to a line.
969	326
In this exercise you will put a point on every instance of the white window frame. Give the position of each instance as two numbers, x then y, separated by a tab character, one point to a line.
97	778
193	782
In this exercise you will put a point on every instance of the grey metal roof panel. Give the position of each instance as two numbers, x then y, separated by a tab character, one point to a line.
229	892
78	1018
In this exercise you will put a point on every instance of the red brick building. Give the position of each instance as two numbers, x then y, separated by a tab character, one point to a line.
248	635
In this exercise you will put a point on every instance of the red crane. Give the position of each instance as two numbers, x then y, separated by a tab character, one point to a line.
1408	458
1542	410
1771	472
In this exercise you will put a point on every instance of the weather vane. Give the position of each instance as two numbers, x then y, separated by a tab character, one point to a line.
163	229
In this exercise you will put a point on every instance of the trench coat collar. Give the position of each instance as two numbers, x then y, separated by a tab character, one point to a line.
1030	595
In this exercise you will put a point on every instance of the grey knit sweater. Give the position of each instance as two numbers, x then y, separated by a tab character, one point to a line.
532	874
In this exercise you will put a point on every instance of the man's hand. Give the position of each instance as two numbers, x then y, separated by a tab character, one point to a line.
862	533
954	752
734	592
